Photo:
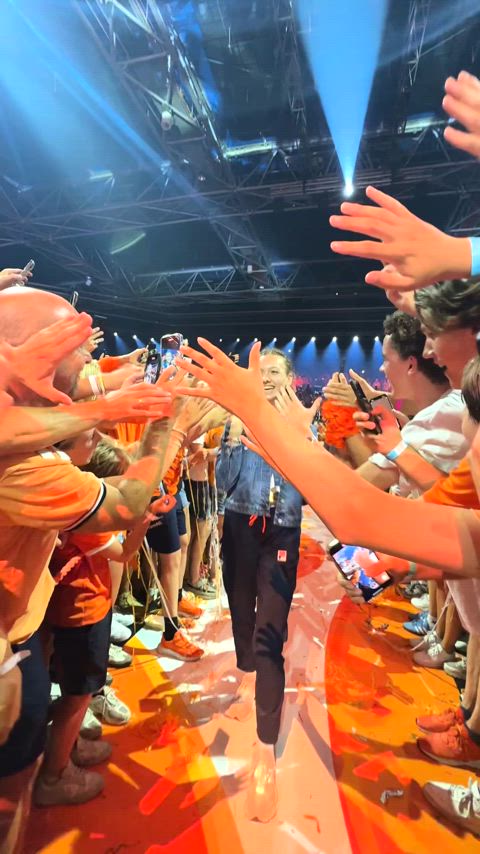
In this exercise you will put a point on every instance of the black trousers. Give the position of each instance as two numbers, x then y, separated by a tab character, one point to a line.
260	572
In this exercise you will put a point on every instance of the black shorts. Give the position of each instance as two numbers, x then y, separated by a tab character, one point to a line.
200	496
26	741
163	535
80	657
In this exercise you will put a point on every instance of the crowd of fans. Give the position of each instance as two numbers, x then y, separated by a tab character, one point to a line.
115	494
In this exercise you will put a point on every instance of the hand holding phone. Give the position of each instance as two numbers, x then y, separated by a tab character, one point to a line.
354	563
169	349
366	405
152	367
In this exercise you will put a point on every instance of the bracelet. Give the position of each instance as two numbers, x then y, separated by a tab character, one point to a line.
412	570
397	450
475	245
98	388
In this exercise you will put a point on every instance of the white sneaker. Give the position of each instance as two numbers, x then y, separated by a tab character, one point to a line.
435	657
421	602
118	657
119	633
75	786
457	669
87	753
459	804
107	706
125	619
422	645
91	728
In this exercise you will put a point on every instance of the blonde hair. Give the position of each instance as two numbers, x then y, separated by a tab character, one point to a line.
108	459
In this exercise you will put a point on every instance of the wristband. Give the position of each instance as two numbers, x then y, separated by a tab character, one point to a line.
396	451
475	245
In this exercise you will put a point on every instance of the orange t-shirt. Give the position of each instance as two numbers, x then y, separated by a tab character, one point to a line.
40	495
457	489
83	593
173	476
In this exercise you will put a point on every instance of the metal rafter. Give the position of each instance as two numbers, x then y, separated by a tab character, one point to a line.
241	242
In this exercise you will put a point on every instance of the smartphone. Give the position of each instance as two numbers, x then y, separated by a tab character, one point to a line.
29	268
345	558
366	405
169	349
152	367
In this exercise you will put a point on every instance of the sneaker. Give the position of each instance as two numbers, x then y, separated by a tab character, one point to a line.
75	786
415	588
86	753
186	608
420	625
119	633
127	604
91	728
459	804
155	621
461	647
457	669
108	707
440	722
180	647
453	747
109	678
118	657
421	645
421	602
127	620
204	589
434	657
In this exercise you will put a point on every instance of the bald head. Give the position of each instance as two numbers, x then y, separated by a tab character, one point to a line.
24	311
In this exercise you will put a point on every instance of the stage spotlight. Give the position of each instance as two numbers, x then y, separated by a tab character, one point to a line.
294	339
313	338
377	338
355	337
334	339
237	340
115	333
255	339
348	189
274	340
221	340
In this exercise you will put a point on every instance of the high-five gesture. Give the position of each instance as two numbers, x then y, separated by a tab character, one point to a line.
415	253
236	389
292	408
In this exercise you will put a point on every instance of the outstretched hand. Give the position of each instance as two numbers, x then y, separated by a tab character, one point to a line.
462	102
236	389
289	405
414	253
33	363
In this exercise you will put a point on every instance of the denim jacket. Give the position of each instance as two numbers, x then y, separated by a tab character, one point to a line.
243	484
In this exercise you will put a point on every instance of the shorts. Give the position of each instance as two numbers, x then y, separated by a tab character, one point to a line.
26	741
182	495
80	657
163	536
200	495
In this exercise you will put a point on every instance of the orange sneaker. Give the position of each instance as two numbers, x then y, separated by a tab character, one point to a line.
180	647
454	747
186	608
440	722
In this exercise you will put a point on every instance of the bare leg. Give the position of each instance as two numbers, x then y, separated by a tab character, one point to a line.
200	535
67	719
441	612
453	628
169	574
432	595
473	673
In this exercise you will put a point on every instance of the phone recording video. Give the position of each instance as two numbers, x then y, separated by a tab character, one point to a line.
366	405
152	366
169	349
351	561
